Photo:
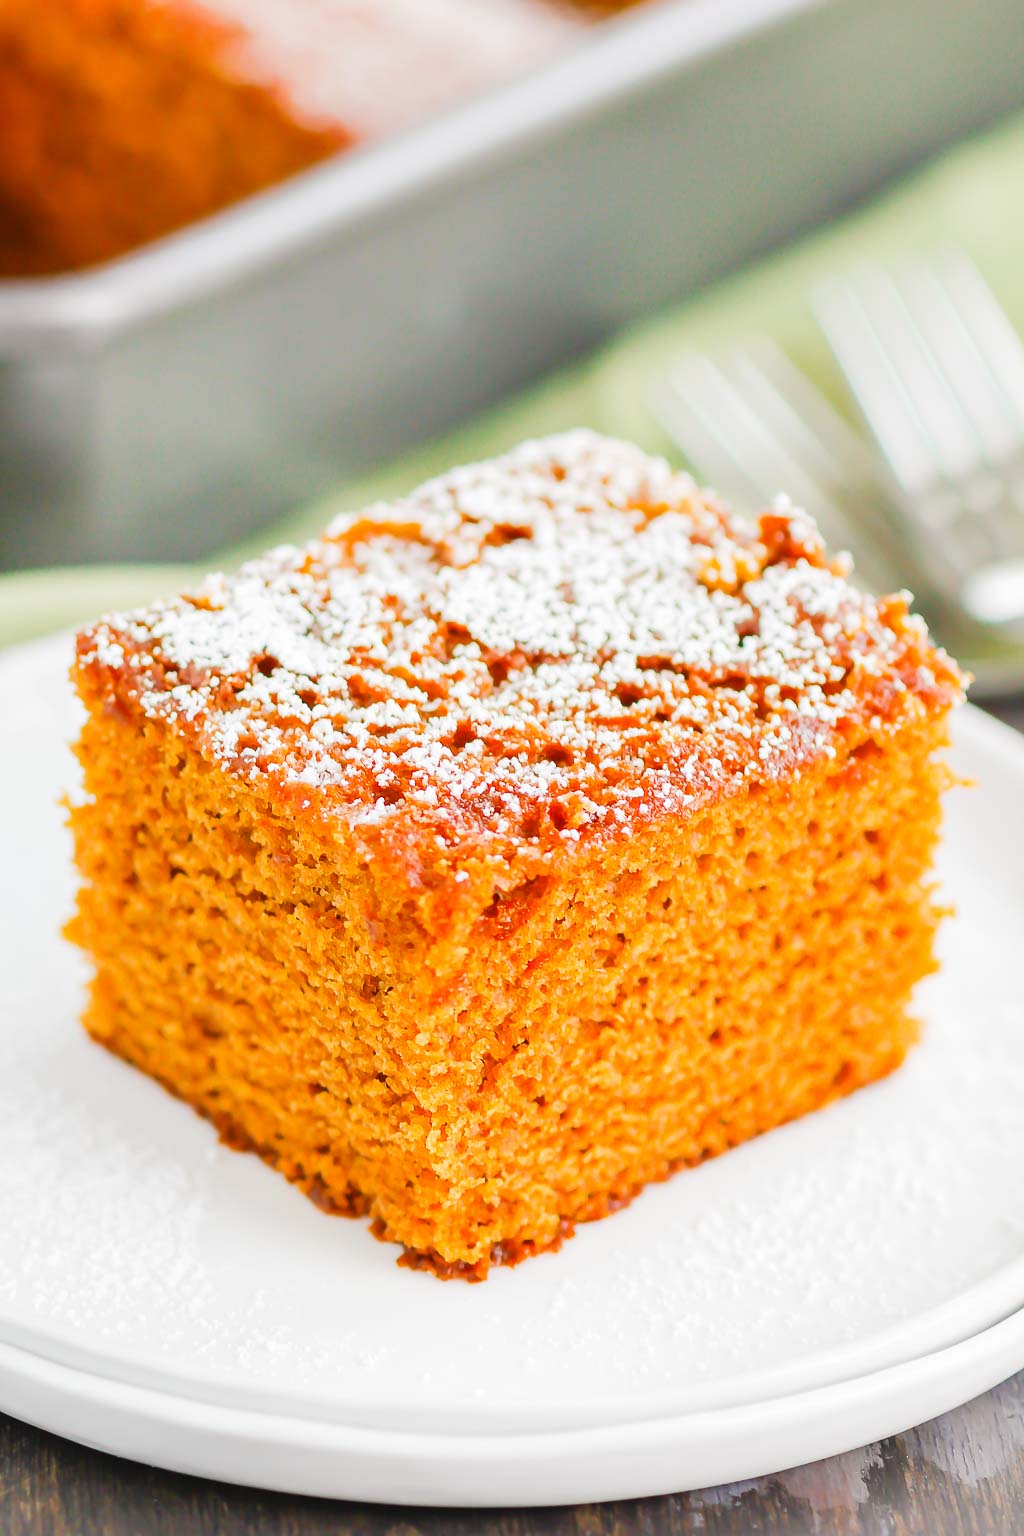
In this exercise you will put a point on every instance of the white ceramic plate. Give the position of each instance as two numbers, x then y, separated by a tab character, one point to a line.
170	1300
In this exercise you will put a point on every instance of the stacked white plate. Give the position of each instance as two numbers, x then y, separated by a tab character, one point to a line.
170	1301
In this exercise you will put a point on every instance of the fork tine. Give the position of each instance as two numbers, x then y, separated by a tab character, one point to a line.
980	399
864	327
828	440
998	342
743	439
686	408
835	464
916	376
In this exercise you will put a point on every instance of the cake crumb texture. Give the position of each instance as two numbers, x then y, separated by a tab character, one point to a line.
514	845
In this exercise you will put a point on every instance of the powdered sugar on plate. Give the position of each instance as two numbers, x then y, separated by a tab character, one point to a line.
134	1242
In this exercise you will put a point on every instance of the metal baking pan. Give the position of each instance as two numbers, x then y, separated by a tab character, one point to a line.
165	403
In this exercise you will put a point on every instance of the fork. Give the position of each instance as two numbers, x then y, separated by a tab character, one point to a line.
937	372
754	425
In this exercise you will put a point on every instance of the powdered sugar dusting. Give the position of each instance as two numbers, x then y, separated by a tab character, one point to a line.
372	67
557	640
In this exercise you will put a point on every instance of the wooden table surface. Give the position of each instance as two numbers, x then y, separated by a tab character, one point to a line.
961	1475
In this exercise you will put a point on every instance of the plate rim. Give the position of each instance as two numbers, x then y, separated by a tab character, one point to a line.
950	1322
599	1464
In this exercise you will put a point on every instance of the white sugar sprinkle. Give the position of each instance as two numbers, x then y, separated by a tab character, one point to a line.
572	622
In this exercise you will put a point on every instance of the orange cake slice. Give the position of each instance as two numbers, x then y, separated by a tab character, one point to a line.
513	845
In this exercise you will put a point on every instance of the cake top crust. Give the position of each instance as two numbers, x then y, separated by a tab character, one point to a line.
564	641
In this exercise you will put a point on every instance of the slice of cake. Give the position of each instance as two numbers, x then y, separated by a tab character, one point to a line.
512	846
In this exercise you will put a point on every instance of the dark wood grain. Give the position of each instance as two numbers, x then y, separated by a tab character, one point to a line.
961	1475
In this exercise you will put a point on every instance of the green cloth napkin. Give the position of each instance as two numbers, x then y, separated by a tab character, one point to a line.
969	198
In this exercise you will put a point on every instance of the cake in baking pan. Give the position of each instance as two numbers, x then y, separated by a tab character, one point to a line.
122	120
